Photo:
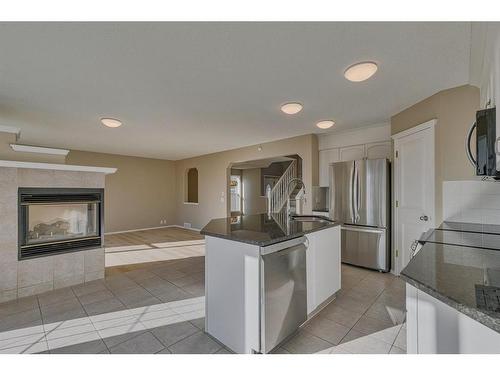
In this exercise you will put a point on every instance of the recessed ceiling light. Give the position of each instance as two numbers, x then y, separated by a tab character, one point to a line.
360	71
291	108
111	122
325	124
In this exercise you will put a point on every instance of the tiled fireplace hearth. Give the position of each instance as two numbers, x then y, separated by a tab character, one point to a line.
51	244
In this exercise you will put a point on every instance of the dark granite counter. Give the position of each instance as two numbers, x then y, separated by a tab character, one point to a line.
325	210
461	269
262	230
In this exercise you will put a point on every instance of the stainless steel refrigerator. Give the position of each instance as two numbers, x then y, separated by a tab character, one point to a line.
360	198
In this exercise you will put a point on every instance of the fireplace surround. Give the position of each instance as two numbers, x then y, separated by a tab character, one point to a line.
59	220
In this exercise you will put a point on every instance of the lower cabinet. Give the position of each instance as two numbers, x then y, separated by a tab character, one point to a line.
433	327
323	266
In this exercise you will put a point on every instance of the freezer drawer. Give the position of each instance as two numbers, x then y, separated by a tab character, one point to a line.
284	294
366	247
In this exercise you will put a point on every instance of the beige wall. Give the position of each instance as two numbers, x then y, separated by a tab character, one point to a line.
213	176
455	111
139	194
253	202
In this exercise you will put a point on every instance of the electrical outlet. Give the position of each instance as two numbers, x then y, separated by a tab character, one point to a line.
187	225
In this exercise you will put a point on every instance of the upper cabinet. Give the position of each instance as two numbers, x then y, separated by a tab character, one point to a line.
352	153
378	150
375	150
325	158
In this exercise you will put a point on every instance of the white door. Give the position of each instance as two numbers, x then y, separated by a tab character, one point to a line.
414	182
352	153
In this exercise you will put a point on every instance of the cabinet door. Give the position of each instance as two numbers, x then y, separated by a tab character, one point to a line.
323	266
352	153
379	150
327	243
325	158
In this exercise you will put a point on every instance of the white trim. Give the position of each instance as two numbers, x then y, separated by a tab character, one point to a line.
183	227
10	129
138	230
39	149
415	129
192	203
57	167
150	228
429	125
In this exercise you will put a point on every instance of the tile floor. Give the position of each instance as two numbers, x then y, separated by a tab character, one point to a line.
154	308
158	307
367	317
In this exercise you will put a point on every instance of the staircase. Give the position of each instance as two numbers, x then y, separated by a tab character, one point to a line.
284	189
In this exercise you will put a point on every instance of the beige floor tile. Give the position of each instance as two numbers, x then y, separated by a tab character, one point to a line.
327	329
338	314
400	341
370	325
305	343
396	350
366	345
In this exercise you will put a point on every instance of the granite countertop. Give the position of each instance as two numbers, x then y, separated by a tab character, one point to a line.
260	229
321	210
461	269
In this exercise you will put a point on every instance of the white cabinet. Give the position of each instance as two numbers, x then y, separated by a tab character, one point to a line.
378	150
352	153
433	327
323	266
325	158
375	150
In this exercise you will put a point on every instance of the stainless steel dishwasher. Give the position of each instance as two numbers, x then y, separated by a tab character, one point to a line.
283	291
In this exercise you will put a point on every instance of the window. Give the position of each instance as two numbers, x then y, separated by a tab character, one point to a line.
192	186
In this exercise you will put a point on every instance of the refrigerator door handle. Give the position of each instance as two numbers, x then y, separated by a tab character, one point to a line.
364	229
355	200
358	195
352	193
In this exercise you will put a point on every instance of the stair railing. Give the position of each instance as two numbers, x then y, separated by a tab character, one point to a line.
282	190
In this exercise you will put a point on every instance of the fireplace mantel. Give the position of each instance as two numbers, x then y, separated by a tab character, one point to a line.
55	167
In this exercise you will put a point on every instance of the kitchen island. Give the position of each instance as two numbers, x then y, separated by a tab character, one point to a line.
453	291
265	275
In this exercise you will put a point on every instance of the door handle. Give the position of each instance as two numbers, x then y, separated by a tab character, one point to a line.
468	146
424	218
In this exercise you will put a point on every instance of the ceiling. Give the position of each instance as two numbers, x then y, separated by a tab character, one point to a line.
186	89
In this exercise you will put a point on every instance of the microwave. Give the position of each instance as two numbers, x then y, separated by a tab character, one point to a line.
487	144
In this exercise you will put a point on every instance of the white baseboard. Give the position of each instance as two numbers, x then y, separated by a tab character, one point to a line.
180	226
160	227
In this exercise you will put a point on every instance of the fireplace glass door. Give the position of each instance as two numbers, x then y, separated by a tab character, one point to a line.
61	222
53	221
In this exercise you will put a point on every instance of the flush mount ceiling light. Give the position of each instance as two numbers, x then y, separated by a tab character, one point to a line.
111	122
360	71
325	124
291	108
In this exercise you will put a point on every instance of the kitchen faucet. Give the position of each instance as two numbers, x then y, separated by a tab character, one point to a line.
288	205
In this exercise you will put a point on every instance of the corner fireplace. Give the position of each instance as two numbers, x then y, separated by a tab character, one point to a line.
59	220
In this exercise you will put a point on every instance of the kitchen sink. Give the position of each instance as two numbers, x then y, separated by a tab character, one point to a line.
308	218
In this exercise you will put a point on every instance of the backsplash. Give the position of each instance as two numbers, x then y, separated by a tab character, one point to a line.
471	201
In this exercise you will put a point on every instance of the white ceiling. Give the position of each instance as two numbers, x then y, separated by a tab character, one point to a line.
186	89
